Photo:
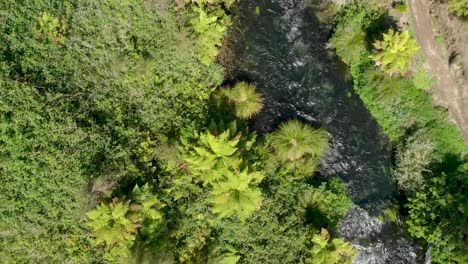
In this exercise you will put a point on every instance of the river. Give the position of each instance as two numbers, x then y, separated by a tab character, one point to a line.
281	46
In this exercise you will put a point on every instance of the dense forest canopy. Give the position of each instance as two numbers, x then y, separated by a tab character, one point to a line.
120	144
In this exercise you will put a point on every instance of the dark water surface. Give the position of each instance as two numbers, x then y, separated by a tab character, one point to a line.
283	50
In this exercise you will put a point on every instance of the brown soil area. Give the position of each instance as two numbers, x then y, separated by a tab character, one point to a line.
451	90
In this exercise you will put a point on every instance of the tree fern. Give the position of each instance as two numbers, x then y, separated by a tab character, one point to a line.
293	140
209	28
217	161
213	156
149	204
115	226
235	195
350	43
247	102
395	51
330	251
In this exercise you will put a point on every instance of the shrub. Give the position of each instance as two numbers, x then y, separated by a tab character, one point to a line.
437	213
350	43
401	6
395	51
422	79
459	7
413	160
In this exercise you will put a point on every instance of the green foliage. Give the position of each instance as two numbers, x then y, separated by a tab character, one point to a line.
330	251
385	87
237	194
226	3
51	27
209	27
401	6
247	102
395	51
279	232
459	7
83	84
437	213
115	226
325	205
349	42
413	161
217	161
294	140
422	79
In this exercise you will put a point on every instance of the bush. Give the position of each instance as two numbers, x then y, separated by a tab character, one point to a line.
459	7
437	213
422	79
395	52
413	162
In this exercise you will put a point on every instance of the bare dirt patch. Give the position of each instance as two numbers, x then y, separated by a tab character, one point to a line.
451	90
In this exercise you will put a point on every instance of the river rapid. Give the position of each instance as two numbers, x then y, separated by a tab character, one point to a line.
282	47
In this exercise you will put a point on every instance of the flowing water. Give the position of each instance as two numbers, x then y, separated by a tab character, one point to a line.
281	46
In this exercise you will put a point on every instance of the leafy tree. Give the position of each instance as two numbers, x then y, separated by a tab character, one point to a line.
330	251
459	7
247	102
293	140
395	51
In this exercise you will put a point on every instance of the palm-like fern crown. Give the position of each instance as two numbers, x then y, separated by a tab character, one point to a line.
113	224
294	140
238	195
218	162
350	45
395	51
330	251
213	156
246	100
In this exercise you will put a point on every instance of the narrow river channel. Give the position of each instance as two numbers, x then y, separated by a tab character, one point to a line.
281	46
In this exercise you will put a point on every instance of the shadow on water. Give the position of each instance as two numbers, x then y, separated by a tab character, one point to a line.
283	50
